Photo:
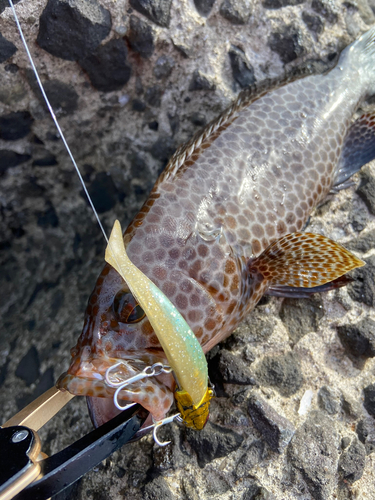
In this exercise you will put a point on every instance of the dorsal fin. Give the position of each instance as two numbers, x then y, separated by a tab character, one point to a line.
244	99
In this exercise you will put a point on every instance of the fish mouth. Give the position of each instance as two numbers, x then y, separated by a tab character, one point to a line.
98	377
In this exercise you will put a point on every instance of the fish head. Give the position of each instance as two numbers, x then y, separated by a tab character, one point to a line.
117	343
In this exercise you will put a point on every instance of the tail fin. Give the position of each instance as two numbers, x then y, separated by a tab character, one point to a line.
361	54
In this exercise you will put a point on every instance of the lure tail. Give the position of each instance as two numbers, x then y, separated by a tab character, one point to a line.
299	263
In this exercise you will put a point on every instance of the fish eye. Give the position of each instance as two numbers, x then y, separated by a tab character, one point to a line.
127	308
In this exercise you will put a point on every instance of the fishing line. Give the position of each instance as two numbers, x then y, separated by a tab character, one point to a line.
50	109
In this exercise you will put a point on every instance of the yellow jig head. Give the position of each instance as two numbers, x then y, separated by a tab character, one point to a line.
181	347
194	417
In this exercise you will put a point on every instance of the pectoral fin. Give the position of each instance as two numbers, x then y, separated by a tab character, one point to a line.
294	292
303	260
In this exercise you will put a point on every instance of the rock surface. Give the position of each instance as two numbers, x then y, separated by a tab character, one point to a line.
132	81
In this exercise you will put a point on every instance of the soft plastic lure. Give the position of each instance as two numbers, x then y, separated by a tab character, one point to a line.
180	345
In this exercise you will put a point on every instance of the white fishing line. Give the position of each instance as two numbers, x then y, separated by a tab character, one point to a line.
55	120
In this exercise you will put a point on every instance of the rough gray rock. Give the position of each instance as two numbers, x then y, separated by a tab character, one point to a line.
352	461
359	339
236	11
257	492
7	49
276	430
233	370
287	43
107	67
242	70
282	372
157	489
329	400
366	433
363	243
363	287
278	4
29	366
163	67
313	454
62	96
314	23
16	125
301	316
254	454
200	82
9	159
369	403
72	31
204	6
367	189
157	11
326	9
141	37
51	251
213	442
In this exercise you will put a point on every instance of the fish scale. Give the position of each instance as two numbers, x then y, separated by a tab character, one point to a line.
250	178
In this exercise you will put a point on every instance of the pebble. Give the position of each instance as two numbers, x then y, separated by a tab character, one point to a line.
286	42
301	316
314	23
29	366
7	49
63	97
157	11
236	11
107	67
366	433
103	192
369	403
326	9
233	370
141	37
363	243
313	454
366	189
352	461
253	455
157	489
46	381
329	400
73	30
200	82
9	159
257	492
363	287
282	372
15	125
163	67
204	6
359	338
242	70
278	4
213	442
276	430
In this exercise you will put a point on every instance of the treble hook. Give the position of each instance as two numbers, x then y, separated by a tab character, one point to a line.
158	424
150	371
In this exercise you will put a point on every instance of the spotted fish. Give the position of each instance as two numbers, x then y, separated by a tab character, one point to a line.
223	225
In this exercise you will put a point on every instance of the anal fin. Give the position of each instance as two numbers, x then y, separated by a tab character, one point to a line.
358	149
303	260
